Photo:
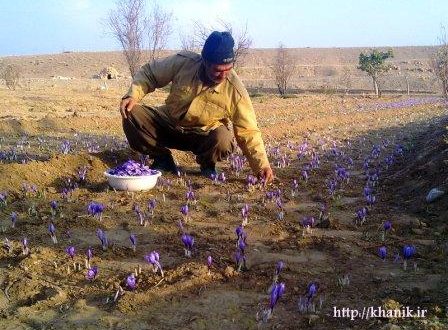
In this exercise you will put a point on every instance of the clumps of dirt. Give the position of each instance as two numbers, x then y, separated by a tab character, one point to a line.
424	167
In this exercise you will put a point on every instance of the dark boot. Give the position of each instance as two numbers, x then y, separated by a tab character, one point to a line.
165	163
209	170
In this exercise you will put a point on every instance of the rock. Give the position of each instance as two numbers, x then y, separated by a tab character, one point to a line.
229	272
313	319
434	194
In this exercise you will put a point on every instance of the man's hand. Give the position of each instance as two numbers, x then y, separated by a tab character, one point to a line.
267	174
126	106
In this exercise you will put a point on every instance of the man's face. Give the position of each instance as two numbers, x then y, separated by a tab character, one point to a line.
217	73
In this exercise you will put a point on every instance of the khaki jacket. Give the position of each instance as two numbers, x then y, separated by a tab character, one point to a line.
192	106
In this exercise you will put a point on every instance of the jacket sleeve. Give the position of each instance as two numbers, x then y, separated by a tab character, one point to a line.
156	74
248	135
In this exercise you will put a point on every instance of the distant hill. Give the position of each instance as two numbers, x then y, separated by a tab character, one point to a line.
316	68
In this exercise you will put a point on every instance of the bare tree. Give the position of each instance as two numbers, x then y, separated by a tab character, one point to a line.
283	69
159	29
11	75
440	62
188	42
127	24
242	39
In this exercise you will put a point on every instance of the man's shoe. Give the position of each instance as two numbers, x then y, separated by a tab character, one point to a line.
165	163
209	171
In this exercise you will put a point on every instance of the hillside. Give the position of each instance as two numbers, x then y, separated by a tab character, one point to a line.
316	68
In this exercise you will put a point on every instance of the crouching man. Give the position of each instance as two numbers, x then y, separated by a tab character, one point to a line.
206	99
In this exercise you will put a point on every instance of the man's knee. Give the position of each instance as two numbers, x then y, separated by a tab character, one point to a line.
223	139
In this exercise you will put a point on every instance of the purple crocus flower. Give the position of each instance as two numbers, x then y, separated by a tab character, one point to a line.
133	240
25	248
361	214
13	219
332	186
308	222
251	180
140	215
3	198
370	199
240	259
70	251
82	174
89	256
95	209
52	230
311	290
103	238
245	214
188	241
184	210
240	234
131	282
279	267
387	225
295	187
276	294
281	212
209	263
54	205
152	203
382	252
191	198
305	175
408	251
153	258
222	177
92	273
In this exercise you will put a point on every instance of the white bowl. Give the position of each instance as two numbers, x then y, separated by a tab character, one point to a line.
132	183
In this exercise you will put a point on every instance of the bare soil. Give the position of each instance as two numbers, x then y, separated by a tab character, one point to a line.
38	292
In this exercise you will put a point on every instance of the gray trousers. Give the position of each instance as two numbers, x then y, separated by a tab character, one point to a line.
152	135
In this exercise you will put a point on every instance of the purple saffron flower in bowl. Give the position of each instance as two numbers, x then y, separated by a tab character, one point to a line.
132	176
92	273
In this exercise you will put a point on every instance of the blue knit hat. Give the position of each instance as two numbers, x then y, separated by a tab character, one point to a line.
218	48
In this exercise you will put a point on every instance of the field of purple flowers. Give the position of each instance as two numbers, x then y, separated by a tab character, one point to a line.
333	231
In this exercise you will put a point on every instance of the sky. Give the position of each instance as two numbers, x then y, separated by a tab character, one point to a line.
54	26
